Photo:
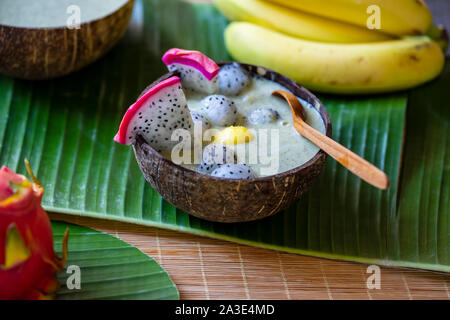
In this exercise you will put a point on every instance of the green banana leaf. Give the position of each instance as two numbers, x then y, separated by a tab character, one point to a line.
422	220
109	268
65	127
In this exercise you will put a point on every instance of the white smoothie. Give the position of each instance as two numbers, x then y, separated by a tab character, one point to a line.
294	150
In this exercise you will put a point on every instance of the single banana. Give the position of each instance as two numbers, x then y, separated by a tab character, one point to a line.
397	17
338	68
296	23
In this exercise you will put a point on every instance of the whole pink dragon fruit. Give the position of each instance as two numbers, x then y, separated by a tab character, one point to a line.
28	262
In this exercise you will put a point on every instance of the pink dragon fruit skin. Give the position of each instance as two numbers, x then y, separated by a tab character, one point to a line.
197	71
156	115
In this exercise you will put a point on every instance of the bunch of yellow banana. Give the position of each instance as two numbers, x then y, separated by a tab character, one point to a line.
337	46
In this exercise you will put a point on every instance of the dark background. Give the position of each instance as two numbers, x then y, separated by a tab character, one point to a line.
441	13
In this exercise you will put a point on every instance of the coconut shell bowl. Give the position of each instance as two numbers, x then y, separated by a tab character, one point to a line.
230	200
38	52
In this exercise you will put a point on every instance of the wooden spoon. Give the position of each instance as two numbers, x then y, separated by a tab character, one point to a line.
344	156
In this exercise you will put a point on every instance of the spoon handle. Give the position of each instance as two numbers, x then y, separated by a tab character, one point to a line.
362	168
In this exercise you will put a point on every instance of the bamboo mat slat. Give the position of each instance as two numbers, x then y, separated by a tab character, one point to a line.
204	268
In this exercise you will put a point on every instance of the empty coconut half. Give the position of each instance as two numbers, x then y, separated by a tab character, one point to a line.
50	38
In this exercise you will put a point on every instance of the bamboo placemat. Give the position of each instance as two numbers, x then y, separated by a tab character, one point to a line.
204	268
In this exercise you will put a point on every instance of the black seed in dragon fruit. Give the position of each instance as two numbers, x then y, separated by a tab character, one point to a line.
233	79
220	110
234	171
156	115
214	155
197	72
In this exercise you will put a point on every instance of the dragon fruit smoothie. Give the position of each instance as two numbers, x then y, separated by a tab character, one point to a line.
294	149
245	132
